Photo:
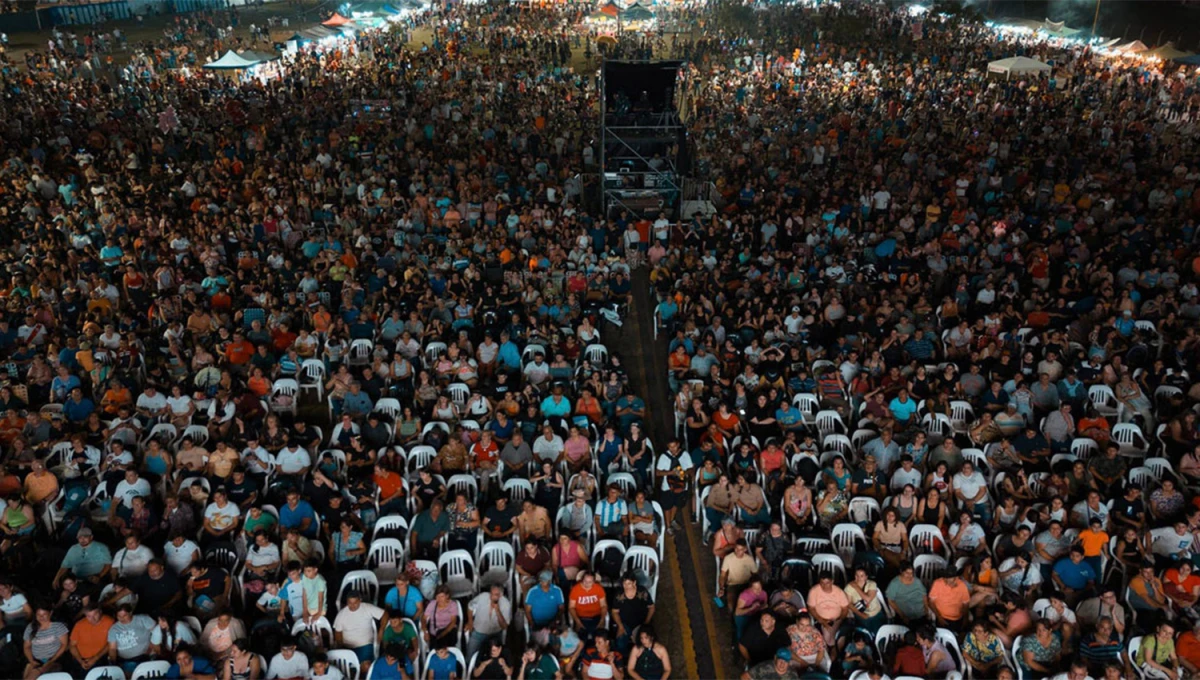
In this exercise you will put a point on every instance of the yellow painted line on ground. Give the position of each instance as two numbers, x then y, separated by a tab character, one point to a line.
681	610
706	603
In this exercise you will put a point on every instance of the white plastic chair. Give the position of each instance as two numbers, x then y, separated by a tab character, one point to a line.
1141	477
458	572
360	352
364	582
197	433
830	422
518	490
829	565
459	393
888	635
388	523
531	351
389	407
386	558
312	377
929	568
596	354
320	627
962	414
105	673
463	483
599	549
1103	400
150	669
639	557
1083	448
846	539
497	561
864	510
808	405
1131	439
290	390
346	661
1161	468
924	539
419	458
458	655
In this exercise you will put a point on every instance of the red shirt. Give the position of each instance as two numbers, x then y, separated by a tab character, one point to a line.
487	454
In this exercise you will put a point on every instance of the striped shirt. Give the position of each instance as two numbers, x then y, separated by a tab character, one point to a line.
611	513
46	642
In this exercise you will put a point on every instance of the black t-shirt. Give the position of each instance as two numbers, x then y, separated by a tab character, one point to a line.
238	493
762	647
633	610
497	520
211	582
1128	509
154	593
426	493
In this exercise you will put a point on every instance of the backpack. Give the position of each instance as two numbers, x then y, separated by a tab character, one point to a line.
609	564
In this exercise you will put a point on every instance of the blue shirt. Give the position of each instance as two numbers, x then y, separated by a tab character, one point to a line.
289	518
441	668
509	355
407	604
78	411
1074	576
902	410
544	605
382	670
200	666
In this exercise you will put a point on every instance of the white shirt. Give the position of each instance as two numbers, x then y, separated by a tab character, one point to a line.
295	667
258	556
126	491
179	405
131	563
357	627
290	462
222	518
265	459
153	404
969	485
548	449
180	558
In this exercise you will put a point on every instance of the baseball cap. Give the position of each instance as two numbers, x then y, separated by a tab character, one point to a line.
545	576
785	654
84	533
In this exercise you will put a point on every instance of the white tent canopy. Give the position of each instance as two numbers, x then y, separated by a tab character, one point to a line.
230	60
1018	66
1132	47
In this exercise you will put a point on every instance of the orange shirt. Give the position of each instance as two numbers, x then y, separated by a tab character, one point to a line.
950	603
1093	542
1188	647
389	483
91	638
239	353
588	603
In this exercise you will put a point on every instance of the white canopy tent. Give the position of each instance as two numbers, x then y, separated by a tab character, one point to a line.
1018	66
229	61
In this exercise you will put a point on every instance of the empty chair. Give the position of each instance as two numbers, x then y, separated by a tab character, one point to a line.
312	377
929	568
496	563
1103	400
926	539
847	540
360	352
459	393
595	354
962	414
458	572
830	422
864	511
389	407
1083	448
808	405
1129	436
386	558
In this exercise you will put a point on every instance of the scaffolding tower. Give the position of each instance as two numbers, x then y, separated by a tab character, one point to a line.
643	140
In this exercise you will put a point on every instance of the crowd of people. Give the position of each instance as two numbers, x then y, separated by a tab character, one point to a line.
307	377
931	355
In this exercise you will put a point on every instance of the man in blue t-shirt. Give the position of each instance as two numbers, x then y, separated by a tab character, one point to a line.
1072	574
544	603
